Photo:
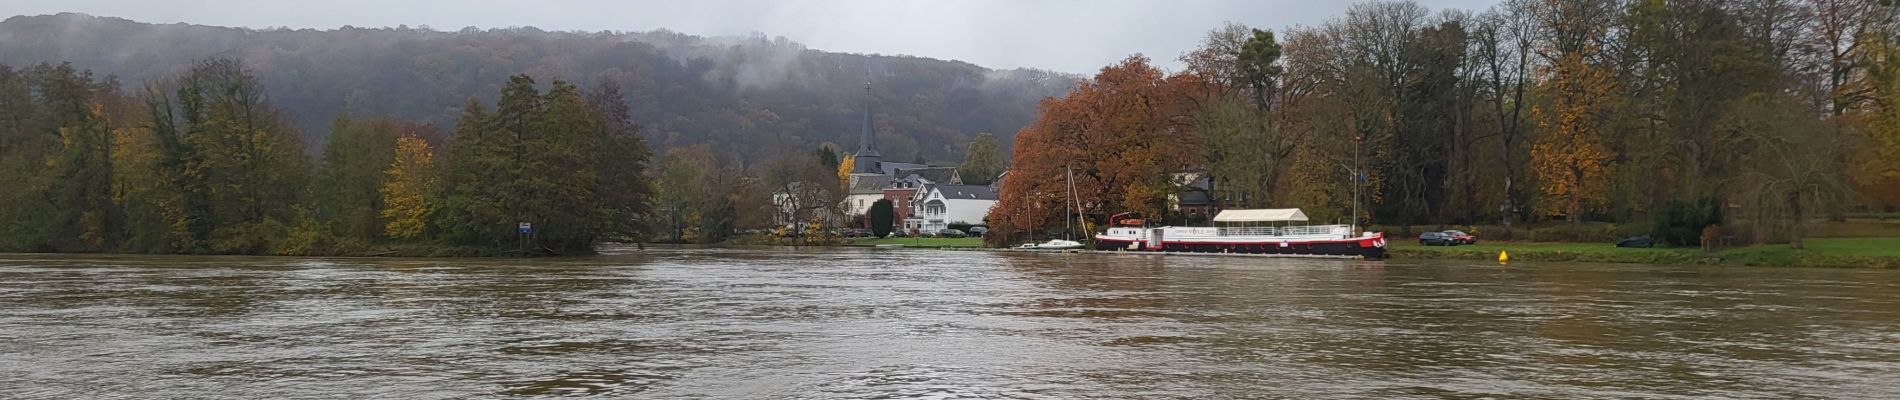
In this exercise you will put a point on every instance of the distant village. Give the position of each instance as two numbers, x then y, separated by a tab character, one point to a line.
925	199
931	200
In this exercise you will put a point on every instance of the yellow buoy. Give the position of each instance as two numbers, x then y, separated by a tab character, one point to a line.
1503	257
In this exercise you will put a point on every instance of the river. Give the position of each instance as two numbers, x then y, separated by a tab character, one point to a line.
878	324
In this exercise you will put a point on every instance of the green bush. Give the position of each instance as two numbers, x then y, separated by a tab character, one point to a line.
883	217
1680	224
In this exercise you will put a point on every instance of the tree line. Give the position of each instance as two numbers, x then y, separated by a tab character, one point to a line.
203	163
1752	114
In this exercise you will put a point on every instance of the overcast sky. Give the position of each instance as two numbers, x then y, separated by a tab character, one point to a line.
1077	36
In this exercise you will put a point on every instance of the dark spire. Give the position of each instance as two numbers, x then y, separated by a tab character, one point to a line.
867	156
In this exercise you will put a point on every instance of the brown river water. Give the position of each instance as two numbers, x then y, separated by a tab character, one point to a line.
887	324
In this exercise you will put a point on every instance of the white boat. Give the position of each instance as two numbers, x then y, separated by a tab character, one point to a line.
1063	244
1267	231
1056	244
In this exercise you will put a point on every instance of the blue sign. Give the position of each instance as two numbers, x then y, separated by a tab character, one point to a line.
524	228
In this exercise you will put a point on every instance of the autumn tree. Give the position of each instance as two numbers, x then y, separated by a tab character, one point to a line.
1878	167
1570	157
56	145
408	181
235	172
845	167
1124	134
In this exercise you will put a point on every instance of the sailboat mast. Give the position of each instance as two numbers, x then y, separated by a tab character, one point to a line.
1358	182
1068	203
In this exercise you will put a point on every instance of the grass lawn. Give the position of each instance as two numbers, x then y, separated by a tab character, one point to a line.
1547	251
923	242
1883	252
1859	247
1493	247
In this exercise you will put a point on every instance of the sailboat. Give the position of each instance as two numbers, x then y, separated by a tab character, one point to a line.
1063	244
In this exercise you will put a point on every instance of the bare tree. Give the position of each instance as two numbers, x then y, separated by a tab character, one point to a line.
1793	174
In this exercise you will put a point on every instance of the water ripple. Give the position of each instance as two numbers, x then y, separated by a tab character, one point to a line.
863	324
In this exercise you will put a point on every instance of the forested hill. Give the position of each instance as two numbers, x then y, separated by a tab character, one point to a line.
744	96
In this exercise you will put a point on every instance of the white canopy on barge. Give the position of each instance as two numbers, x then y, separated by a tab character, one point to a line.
1261	215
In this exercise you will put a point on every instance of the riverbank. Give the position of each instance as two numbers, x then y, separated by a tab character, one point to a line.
927	243
1880	253
1877	253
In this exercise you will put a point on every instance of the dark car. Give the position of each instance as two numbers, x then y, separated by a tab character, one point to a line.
1436	239
978	231
950	233
1643	241
1461	237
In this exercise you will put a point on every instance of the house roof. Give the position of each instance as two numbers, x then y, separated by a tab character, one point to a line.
1261	215
941	175
966	192
869	184
1194	192
1193	198
892	168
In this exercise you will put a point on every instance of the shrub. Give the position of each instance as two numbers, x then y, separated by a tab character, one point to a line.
883	217
1680	224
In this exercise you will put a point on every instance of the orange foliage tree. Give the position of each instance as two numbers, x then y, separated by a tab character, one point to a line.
1571	158
1123	133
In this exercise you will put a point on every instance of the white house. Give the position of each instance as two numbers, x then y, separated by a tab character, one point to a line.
935	207
865	189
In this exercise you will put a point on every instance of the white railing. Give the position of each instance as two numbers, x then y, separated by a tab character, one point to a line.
1339	231
1308	230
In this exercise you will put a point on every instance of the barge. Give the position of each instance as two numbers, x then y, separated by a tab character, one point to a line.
1261	231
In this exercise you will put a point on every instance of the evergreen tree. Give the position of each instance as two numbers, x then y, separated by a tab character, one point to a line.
982	161
347	187
564	175
625	190
567	163
883	217
469	210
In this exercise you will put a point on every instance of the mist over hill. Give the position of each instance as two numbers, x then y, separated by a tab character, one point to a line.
746	97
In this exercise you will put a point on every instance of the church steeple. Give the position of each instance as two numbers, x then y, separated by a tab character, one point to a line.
867	156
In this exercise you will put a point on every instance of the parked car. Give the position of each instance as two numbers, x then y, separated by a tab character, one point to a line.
1461	237
1643	241
978	231
950	233
1436	239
